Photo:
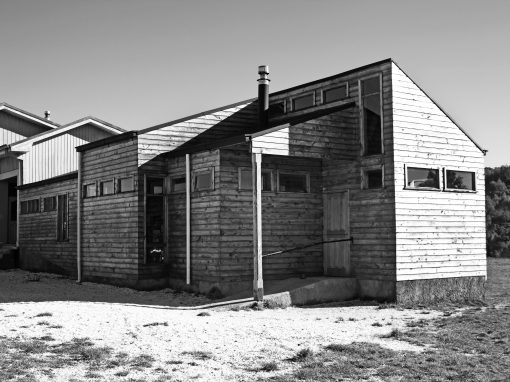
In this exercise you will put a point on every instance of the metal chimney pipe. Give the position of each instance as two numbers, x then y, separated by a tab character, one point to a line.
47	114
263	96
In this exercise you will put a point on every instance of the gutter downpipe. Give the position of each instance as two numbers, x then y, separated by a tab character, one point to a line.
188	220
78	222
18	201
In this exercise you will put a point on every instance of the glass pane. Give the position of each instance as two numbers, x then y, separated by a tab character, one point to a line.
179	184
370	86
293	183
107	187
276	109
203	181
334	94
422	177
303	102
90	190
126	184
154	186
266	181
374	179
460	180
246	180
372	122
50	203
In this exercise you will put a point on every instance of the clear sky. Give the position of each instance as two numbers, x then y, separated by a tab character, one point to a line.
137	63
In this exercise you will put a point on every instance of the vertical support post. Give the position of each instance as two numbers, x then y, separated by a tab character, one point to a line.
258	282
19	182
188	220
78	220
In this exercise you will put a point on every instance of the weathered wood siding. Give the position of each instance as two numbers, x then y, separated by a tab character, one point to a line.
57	155
203	128
13	129
439	234
110	223
39	249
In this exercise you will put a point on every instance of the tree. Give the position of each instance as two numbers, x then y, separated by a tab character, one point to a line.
497	207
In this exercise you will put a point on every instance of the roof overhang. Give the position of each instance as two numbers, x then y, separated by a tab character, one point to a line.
28	116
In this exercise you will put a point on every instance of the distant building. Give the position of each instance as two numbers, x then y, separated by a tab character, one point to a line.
363	154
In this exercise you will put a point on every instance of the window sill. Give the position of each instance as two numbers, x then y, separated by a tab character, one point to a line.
422	189
460	190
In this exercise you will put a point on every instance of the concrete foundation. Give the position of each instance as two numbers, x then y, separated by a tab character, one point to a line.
455	289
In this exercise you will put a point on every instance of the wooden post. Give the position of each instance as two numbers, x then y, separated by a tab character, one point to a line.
258	283
18	202
188	220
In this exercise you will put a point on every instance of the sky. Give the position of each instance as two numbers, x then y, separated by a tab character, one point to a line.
138	63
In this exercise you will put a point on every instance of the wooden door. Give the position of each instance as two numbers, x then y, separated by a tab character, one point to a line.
337	261
13	217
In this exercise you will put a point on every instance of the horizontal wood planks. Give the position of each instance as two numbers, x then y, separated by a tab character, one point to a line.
439	234
39	248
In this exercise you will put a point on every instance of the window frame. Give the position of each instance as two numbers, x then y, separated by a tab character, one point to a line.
335	86
27	203
264	171
171	189
305	173
285	109
364	177
201	172
406	177
303	95
60	237
118	189
362	114
43	204
101	182
85	195
445	181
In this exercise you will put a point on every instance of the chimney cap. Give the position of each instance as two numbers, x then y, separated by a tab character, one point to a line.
263	69
47	114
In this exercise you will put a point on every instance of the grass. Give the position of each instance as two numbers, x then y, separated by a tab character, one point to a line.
472	346
198	354
45	314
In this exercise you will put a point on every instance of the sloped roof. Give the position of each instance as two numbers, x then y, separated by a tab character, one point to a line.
28	116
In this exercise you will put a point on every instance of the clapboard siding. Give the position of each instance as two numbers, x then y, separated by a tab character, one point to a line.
57	155
110	229
39	248
438	234
205	128
288	219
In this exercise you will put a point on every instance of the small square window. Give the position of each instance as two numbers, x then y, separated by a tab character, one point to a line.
106	187
50	203
303	102
422	178
334	94
370	86
460	180
292	182
154	186
178	184
245	180
126	184
373	179
276	109
89	190
203	181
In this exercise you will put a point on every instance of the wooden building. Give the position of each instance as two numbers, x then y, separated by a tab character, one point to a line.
364	154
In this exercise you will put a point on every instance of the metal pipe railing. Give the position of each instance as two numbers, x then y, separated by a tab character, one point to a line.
307	246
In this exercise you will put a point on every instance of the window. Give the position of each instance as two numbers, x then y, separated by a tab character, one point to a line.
303	102
460	180
203	181
371	115
62	218
89	190
30	206
334	94
126	184
293	182
154	186
245	179
276	109
106	187
178	184
422	178
50	203
373	179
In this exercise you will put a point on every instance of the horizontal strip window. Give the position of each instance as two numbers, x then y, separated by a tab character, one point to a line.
89	190
460	180
334	94
126	184
106	187
246	180
49	203
30	206
422	178
303	102
292	182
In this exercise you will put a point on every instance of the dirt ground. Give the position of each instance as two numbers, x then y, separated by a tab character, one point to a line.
199	345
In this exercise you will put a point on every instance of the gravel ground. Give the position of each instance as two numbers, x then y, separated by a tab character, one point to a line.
239	342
